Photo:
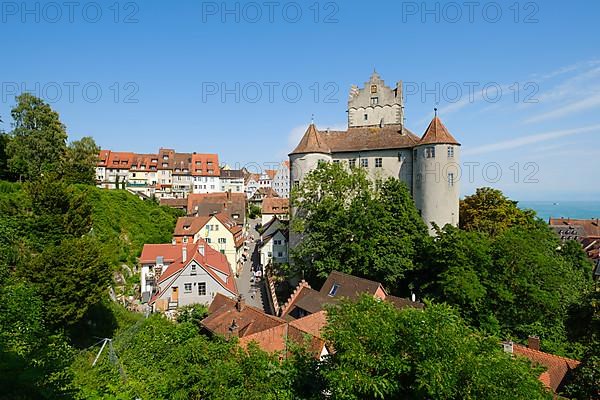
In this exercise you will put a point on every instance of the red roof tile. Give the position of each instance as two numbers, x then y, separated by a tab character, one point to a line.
205	165
275	205
591	227
437	133
557	367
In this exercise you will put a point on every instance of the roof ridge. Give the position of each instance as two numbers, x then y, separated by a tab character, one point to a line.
545	353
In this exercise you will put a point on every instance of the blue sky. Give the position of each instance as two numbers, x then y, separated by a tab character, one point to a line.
162	66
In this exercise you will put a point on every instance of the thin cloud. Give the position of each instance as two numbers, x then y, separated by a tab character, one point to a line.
527	140
572	108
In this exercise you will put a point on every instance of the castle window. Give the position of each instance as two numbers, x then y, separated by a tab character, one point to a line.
374	100
430	152
364	162
378	162
415	154
450	152
366	117
450	179
419	180
352	162
373	88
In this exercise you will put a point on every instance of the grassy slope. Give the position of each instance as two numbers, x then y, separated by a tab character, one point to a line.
124	223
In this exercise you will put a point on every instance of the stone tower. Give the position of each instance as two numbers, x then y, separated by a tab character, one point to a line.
436	175
375	104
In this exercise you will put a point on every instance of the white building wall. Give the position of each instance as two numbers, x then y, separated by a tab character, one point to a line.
435	192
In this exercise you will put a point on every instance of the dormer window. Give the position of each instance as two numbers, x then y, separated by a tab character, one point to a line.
333	289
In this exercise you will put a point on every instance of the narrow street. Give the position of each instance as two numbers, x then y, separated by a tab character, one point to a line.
253	293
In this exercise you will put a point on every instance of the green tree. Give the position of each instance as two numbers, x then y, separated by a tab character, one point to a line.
38	141
489	211
385	353
70	277
80	160
34	362
351	224
585	383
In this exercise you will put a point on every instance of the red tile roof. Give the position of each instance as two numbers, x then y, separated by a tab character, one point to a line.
212	262
205	165
275	205
591	227
189	226
215	203
557	367
436	133
271	173
356	139
270	333
115	159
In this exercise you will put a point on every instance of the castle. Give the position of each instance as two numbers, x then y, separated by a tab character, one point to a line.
377	140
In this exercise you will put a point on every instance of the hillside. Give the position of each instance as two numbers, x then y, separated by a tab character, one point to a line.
124	223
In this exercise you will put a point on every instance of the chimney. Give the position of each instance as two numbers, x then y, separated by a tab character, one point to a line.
184	253
233	329
533	342
240	304
508	347
201	249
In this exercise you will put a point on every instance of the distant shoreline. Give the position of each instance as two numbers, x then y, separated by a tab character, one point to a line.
565	209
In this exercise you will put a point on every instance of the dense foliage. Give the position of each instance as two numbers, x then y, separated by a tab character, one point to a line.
351	224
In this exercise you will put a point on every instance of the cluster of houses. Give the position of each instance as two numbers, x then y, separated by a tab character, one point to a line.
172	175
584	231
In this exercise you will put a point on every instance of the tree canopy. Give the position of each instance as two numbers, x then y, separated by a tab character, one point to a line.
351	224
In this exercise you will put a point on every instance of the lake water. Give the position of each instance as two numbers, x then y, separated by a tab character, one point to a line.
566	209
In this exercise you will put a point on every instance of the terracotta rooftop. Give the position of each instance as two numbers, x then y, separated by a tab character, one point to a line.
187	226
436	133
557	367
275	205
270	333
215	203
212	261
591	227
223	312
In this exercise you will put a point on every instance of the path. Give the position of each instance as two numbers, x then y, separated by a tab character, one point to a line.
254	293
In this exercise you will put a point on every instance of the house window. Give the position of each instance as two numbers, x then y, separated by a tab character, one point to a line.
296	184
187	288
352	162
336	161
430	152
185	239
364	162
222	240
202	289
269	254
279	254
378	162
450	152
193	269
207	240
277	242
373	88
374	100
366	117
334	289
450	179
222	251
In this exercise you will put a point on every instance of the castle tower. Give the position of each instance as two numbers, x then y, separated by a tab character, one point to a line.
375	104
306	156
436	175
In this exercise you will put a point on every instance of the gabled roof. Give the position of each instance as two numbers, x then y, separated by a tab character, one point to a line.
223	311
229	317
169	252
232	174
436	133
591	227
211	261
349	286
557	367
215	203
275	205
189	226
393	136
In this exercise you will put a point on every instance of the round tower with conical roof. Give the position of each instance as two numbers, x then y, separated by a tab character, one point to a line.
306	156
436	175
